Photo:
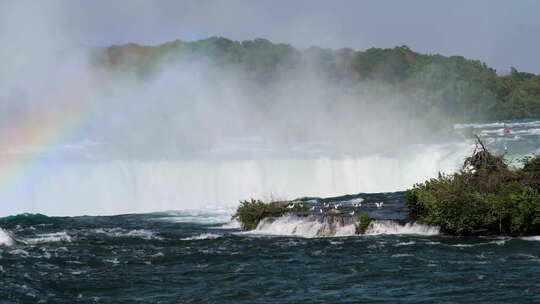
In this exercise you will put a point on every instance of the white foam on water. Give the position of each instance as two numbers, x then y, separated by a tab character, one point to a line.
391	227
535	123
203	236
5	238
405	243
205	216
233	224
466	245
478	125
113	261
157	255
401	255
311	226
48	238
316	226
119	232
527	256
20	252
142	186
531	238
499	242
355	200
78	272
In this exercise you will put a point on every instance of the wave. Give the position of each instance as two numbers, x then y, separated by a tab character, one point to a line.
5	238
203	236
496	124
531	238
354	201
119	232
207	216
392	227
47	238
309	226
233	224
332	226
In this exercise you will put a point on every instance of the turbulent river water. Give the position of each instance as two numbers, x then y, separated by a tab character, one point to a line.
200	256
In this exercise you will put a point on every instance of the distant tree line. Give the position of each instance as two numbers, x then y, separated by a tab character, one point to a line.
430	86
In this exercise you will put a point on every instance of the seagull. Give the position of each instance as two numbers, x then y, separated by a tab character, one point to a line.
312	208
291	206
352	213
320	210
379	205
337	206
326	205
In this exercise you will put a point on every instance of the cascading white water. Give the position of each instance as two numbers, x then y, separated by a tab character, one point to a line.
325	226
311	226
190	134
5	238
113	187
392	227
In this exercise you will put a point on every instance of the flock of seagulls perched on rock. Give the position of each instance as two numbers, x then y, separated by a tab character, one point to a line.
354	205
335	208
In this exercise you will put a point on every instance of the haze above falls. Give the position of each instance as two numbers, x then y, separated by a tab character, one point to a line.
82	137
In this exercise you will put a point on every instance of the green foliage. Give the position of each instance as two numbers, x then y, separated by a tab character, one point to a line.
434	86
531	164
486	197
362	223
251	212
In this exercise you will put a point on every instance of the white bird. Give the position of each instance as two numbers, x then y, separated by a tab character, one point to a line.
312	208
291	206
337	206
352	213
320	210
326	205
379	205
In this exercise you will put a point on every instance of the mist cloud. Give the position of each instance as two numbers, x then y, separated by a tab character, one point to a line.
189	108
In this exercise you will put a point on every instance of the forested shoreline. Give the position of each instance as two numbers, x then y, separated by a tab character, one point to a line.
432	86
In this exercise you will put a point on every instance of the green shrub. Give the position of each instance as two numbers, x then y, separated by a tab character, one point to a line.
485	197
362	223
251	212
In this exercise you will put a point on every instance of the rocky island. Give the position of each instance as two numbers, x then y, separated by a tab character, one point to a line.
485	197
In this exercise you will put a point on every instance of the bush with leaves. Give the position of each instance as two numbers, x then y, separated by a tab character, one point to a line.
484	197
362	223
251	212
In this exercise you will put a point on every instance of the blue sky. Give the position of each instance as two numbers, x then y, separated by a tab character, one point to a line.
501	33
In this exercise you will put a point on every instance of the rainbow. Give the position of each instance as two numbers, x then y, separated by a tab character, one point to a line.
36	137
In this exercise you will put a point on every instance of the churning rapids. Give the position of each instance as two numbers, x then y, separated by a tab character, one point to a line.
186	257
200	256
